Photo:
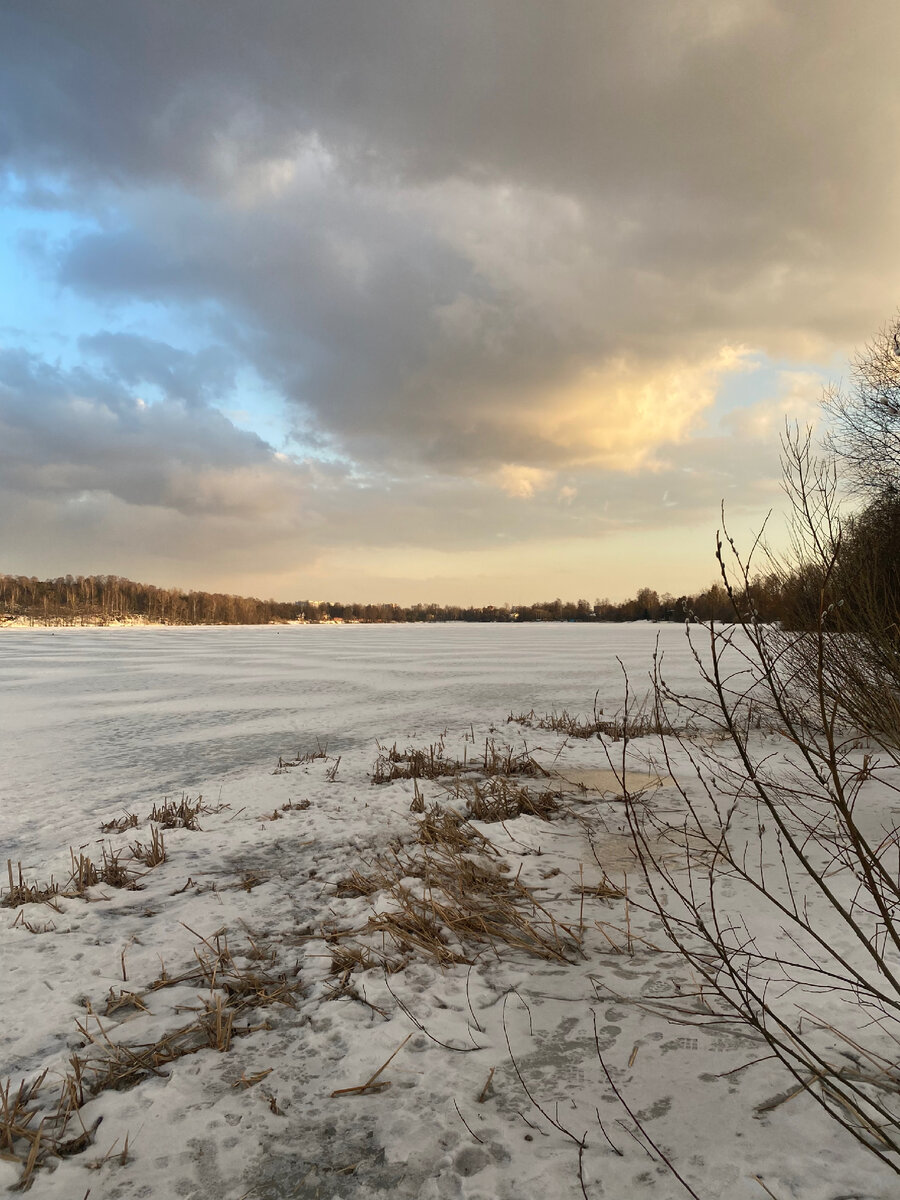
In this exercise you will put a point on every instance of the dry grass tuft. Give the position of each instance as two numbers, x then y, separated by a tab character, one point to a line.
444	829
154	853
182	815
23	922
644	721
465	898
501	799
20	892
504	760
86	874
21	1130
432	763
114	872
356	884
301	759
414	763
35	1122
120	824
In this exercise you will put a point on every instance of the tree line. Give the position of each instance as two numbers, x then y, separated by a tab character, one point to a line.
103	599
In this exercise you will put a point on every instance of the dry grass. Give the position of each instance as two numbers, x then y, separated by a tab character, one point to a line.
442	829
120	824
21	892
356	884
502	799
465	899
432	763
644	721
414	763
23	922
36	1121
504	760
153	854
86	874
114	872
301	759
182	815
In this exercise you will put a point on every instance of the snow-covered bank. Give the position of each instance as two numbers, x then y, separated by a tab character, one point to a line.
499	1085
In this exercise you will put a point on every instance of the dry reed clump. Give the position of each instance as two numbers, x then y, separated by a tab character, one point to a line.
504	760
413	763
431	763
356	884
87	874
501	799
182	815
120	824
301	759
644	721
36	1123
153	854
465	898
84	874
20	892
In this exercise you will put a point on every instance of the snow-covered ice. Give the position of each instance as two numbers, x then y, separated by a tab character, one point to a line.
498	1086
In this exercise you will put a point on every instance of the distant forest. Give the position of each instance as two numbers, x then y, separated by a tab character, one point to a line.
100	599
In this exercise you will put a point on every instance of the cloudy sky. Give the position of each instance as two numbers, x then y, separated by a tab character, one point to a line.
456	300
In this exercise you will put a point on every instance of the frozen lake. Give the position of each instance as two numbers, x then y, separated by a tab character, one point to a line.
111	719
94	722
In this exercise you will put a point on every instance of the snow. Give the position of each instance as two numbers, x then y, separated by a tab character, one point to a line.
500	1061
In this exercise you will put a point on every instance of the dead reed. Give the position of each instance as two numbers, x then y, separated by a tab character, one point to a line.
153	854
120	824
182	815
465	899
502	799
413	763
643	721
301	759
36	1121
20	892
86	874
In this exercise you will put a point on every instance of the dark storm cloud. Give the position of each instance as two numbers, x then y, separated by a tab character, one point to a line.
429	220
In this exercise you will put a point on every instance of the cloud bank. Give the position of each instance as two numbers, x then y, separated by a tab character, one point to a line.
511	275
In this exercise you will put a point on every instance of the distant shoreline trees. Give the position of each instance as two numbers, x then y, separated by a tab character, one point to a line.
108	599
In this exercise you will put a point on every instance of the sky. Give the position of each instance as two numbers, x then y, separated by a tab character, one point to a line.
482	301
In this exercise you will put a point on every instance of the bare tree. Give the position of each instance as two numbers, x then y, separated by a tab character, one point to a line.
866	437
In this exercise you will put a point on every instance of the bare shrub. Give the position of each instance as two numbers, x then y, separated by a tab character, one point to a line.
785	903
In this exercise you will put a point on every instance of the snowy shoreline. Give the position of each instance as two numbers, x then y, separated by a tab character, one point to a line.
279	915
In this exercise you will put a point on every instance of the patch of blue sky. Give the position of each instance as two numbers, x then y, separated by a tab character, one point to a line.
258	408
763	379
35	311
47	319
